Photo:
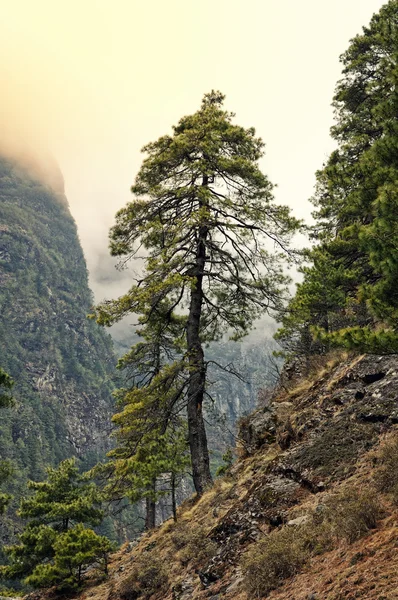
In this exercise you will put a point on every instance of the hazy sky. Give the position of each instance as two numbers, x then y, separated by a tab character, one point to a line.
94	80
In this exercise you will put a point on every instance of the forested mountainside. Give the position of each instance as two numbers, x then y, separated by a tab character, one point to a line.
61	362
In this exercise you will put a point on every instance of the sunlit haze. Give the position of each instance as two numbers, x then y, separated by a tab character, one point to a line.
92	81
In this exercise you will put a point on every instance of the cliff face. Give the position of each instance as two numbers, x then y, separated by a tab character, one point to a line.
237	395
61	362
308	512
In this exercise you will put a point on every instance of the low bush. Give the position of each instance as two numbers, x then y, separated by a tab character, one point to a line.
353	513
147	576
386	475
192	544
271	560
347	515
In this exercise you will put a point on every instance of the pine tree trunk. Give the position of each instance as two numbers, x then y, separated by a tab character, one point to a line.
150	511
197	373
173	497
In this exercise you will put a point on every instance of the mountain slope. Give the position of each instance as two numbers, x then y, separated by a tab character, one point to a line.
61	362
317	471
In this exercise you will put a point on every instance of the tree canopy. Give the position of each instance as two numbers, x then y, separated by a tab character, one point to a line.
211	240
6	470
6	384
55	515
350	289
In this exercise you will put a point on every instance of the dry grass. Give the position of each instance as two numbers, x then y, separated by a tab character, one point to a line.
147	576
271	560
353	512
318	368
386	475
348	516
192	544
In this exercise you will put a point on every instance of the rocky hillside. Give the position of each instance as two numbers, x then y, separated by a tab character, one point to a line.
62	363
308	512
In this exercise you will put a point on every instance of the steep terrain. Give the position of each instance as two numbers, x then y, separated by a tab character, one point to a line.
61	362
314	492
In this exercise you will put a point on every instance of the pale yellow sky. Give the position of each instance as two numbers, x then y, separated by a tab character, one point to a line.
94	80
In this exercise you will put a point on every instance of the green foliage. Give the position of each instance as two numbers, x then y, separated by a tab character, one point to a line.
134	469
236	204
63	498
74	550
228	459
350	289
6	384
213	241
6	470
151	437
63	501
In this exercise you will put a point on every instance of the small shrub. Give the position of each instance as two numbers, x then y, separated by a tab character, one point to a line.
283	553
228	460
192	544
386	476
353	513
147	576
271	560
316	537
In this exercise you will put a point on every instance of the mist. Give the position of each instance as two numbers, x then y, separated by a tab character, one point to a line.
86	85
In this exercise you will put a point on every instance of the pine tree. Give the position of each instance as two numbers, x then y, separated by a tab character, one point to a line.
74	550
357	201
151	440
61	502
212	241
6	470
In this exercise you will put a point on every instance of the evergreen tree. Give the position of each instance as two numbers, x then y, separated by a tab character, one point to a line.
6	384
357	202
57	505
6	470
151	440
212	240
5	473
74	550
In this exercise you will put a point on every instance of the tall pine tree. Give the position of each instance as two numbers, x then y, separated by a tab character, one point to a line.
357	202
212	241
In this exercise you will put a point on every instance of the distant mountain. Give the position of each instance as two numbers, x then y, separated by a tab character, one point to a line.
62	363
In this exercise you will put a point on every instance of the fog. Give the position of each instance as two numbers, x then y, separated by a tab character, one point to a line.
91	82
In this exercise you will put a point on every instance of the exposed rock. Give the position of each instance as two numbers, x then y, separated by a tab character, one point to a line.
257	429
183	590
298	521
